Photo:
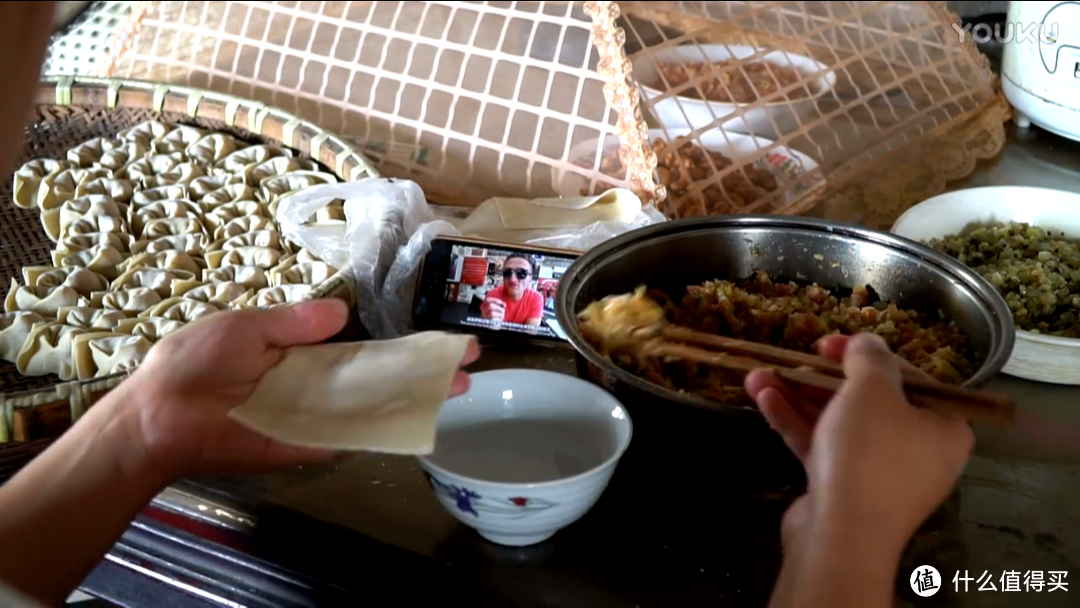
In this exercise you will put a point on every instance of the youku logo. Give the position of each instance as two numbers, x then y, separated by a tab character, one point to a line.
1032	33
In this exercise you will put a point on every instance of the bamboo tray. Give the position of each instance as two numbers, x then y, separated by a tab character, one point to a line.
71	110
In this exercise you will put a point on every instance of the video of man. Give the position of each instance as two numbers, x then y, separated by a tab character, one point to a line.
503	290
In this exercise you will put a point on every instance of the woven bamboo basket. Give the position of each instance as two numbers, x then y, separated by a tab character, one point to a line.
70	111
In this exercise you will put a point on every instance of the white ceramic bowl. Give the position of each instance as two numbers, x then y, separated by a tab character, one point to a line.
525	453
780	160
1035	357
768	120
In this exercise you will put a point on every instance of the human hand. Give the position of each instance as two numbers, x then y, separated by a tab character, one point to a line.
180	397
873	461
493	309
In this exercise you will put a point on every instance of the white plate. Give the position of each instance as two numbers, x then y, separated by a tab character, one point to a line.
780	160
768	120
1035	356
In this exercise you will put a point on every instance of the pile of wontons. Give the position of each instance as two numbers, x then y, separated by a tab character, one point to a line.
154	228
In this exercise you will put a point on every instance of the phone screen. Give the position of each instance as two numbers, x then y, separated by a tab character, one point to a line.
483	288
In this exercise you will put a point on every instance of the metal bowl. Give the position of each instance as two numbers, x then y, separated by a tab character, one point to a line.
673	255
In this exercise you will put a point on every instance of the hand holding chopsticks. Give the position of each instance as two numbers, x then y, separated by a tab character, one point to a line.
812	371
636	323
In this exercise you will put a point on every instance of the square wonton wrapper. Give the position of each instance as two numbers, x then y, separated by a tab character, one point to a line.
378	396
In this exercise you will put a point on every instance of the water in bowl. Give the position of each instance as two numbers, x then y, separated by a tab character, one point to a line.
523	451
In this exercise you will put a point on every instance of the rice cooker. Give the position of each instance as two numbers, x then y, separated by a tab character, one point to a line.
1040	66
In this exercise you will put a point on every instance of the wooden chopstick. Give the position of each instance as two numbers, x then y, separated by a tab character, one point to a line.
914	380
826	375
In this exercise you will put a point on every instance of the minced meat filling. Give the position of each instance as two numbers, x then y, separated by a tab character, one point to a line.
795	317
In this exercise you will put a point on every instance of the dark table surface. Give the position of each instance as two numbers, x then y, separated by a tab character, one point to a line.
690	518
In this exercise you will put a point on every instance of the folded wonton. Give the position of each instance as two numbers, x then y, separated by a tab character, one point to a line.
153	329
14	329
99	354
90	318
47	350
44	300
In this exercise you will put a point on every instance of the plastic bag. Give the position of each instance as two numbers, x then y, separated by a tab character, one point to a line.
388	232
380	216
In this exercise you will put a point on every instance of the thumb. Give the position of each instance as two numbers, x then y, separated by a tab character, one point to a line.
871	368
306	323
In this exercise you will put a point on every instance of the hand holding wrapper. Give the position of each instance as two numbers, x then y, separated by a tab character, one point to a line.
380	396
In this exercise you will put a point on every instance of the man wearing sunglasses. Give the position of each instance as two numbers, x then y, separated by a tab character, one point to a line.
515	301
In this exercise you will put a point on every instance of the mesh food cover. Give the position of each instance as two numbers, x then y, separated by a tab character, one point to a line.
700	107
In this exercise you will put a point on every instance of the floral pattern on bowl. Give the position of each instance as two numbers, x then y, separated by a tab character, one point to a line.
470	502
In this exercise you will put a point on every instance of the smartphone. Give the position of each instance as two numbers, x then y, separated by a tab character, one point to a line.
492	289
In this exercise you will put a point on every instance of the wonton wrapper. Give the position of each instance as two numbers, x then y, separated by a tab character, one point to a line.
153	195
149	166
281	294
181	309
170	226
28	178
201	186
81	242
518	220
331	214
251	277
117	158
120	190
145	132
213	147
258	238
102	259
57	221
220	294
244	225
183	173
47	350
304	255
57	188
279	166
89	152
232	193
178	139
83	281
99	354
89	318
169	259
251	155
14	329
44	300
303	273
132	302
95	223
223	214
173	208
191	244
158	279
153	329
378	396
273	188
263	257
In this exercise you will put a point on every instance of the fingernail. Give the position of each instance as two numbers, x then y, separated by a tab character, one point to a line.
868	344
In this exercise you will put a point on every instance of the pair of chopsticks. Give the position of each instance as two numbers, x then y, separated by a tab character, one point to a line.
804	370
